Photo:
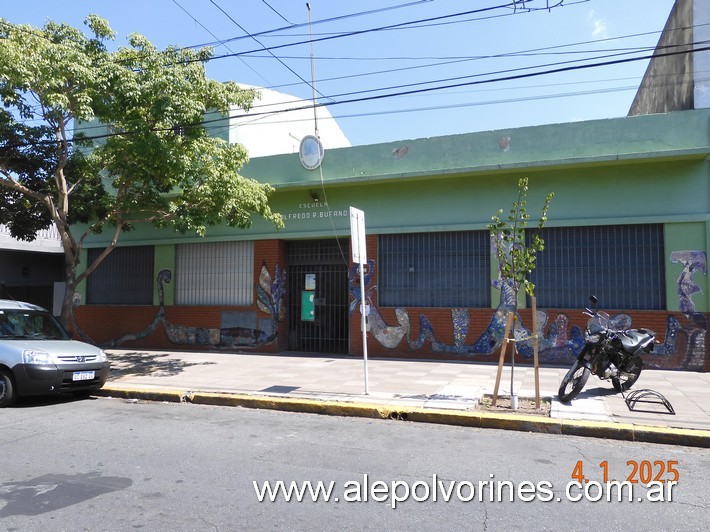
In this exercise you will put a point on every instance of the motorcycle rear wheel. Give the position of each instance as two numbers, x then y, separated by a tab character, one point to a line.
573	382
628	375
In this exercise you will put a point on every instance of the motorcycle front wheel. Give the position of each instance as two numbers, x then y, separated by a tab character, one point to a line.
628	375
573	382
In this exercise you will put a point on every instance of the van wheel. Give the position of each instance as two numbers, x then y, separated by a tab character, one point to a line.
8	393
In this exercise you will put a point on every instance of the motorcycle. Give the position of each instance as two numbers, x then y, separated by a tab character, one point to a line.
608	353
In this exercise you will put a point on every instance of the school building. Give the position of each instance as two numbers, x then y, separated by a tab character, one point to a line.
629	223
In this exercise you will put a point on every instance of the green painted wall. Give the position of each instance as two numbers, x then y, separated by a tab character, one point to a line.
644	169
685	237
627	170
648	192
164	259
577	143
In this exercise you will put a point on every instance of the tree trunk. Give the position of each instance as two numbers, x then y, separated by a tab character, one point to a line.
69	288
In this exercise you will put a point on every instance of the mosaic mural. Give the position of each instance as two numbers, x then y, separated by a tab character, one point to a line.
270	293
684	345
558	342
685	342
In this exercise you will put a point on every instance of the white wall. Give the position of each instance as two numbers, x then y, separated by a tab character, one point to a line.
281	132
47	240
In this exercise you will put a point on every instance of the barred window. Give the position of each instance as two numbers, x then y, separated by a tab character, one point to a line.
623	265
447	269
124	277
214	273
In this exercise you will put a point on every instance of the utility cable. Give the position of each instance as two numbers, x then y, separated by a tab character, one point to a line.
305	24
275	11
493	80
213	35
365	31
499	72
422	90
264	47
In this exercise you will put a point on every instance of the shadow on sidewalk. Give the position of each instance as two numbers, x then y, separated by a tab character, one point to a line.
589	393
142	364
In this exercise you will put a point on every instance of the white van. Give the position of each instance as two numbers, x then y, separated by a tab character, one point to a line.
38	357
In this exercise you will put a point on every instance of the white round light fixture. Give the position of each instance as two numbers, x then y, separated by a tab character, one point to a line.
311	152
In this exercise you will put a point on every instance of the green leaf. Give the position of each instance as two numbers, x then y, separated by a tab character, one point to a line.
516	259
152	160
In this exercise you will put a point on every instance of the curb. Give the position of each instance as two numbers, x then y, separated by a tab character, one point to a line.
482	420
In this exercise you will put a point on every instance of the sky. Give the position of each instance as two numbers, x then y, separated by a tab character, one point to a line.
391	70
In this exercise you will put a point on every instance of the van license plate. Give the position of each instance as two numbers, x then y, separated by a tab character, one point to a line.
83	375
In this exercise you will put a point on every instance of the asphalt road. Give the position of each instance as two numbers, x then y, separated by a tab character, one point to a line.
111	464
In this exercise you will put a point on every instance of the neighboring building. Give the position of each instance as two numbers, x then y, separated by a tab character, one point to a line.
676	81
31	271
268	130
630	222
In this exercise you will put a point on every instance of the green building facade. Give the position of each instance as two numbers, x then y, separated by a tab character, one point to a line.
629	223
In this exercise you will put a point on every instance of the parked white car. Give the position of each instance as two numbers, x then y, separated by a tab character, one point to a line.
38	356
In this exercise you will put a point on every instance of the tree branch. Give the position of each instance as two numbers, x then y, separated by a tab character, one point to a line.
108	249
7	181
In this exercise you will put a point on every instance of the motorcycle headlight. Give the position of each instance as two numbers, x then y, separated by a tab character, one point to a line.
33	356
592	338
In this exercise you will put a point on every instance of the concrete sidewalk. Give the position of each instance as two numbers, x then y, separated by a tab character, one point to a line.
431	391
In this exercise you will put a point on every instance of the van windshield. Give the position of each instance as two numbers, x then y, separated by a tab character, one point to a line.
37	325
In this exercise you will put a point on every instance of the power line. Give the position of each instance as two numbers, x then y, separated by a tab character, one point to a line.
380	89
455	61
523	76
457	78
491	73
480	82
370	30
422	90
461	77
502	54
332	96
213	35
654	84
264	47
476	19
275	11
515	5
322	21
459	59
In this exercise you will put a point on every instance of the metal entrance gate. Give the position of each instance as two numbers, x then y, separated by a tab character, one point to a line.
318	317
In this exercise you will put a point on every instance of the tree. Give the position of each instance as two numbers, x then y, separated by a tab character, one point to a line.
516	257
94	140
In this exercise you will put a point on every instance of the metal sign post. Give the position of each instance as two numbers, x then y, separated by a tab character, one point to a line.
357	238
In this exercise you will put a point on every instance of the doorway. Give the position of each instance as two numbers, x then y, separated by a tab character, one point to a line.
318	316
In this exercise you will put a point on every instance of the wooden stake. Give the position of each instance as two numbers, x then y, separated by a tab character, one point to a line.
535	352
501	360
